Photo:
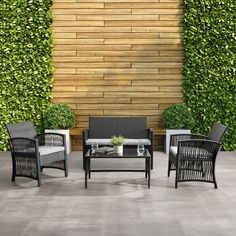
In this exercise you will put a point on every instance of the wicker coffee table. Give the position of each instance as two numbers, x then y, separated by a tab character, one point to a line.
127	154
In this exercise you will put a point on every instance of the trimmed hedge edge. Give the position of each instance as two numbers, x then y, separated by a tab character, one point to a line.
25	62
209	65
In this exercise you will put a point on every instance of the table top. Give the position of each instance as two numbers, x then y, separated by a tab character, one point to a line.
127	153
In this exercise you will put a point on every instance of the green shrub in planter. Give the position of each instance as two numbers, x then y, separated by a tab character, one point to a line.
59	116
177	116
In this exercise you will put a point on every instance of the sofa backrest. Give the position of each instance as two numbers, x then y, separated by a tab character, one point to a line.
129	127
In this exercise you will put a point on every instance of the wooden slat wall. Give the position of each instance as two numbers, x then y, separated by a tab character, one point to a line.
117	58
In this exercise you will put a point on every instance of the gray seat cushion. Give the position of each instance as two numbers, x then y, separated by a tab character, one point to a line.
46	150
174	150
143	141
128	142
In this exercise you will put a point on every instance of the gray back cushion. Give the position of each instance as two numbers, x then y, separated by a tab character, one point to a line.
21	130
103	127
133	127
129	127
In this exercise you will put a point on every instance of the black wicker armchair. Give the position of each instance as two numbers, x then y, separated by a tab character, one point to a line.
31	152
193	156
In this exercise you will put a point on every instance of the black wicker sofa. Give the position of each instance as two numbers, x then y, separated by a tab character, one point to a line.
134	129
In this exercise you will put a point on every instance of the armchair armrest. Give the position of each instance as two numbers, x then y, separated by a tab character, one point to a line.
174	139
25	146
198	149
51	139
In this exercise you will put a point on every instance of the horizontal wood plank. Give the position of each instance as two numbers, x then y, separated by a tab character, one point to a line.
166	7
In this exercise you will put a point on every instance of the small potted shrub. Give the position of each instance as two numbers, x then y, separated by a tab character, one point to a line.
58	118
117	142
177	119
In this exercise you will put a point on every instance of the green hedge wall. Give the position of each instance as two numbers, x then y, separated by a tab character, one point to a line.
209	66
25	62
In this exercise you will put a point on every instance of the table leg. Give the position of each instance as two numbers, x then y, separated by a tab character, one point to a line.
86	172
89	161
149	172
146	168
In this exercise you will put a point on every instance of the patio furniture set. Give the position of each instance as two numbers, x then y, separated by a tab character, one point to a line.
191	156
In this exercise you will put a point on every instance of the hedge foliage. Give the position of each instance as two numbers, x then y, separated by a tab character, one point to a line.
209	67
25	62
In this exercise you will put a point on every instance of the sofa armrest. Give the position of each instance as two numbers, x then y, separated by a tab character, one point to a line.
150	148
85	134
150	134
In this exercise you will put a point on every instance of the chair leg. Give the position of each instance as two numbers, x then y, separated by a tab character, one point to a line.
85	149
176	179
215	184
151	163
13	178
176	184
83	163
150	149
38	173
66	168
13	170
169	165
176	176
39	182
214	178
38	169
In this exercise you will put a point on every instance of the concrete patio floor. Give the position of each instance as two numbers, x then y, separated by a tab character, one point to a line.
117	203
